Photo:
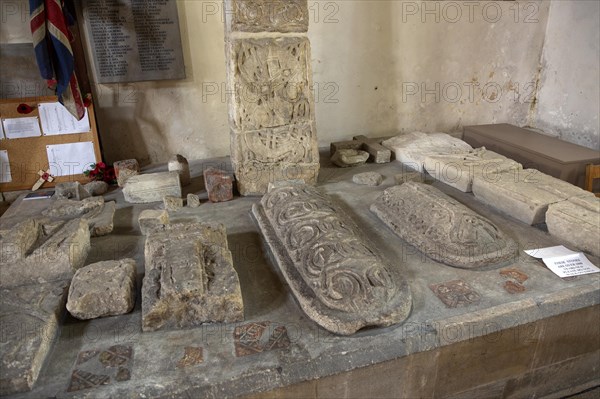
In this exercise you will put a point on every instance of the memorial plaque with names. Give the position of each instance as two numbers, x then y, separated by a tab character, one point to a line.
132	41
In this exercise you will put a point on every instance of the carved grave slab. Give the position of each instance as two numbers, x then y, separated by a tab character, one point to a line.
524	194
459	170
335	274
56	254
189	278
413	148
443	228
271	109
267	15
576	222
29	322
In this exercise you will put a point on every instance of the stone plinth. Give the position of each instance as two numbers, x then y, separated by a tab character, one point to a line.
271	111
576	222
189	278
413	148
334	273
30	317
442	228
459	170
524	194
103	289
152	187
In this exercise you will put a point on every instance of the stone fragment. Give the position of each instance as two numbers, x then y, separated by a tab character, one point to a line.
173	204
97	187
412	148
524	194
103	289
65	208
285	16
17	242
193	201
30	317
150	219
178	163
271	111
70	190
443	228
55	257
372	179
332	269
189	278
377	152
459	170
218	184
125	169
152	187
576	222
102	222
405	177
347	158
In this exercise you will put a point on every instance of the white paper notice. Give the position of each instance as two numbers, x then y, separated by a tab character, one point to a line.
549	252
1	130
5	175
57	120
70	159
571	265
19	128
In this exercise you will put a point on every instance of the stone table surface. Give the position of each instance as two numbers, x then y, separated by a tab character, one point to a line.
277	345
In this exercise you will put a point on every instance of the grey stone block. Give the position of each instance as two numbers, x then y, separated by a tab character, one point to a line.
150	219
193	201
576	222
372	179
172	204
345	158
152	187
95	188
70	190
178	163
103	289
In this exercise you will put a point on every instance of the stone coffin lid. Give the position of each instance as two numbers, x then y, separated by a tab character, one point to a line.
443	228
335	274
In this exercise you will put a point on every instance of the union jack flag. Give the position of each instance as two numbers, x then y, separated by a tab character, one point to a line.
51	40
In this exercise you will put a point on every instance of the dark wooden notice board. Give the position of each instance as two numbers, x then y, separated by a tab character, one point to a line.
28	155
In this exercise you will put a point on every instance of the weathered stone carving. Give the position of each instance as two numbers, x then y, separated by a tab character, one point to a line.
346	158
55	256
189	278
271	111
576	222
524	194
412	148
336	276
29	319
152	187
267	15
459	170
103	289
98	214
443	228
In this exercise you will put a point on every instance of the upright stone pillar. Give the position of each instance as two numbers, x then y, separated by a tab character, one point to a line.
271	105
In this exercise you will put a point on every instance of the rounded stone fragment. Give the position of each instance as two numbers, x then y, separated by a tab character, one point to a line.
193	201
96	188
372	179
346	158
103	289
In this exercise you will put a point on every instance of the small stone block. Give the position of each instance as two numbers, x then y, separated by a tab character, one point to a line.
576	222
377	152
344	145
150	219
219	185
405	177
103	289
152	187
173	204
372	179
125	169
178	163
193	201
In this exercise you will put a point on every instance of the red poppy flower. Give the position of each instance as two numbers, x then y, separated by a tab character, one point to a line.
45	176
101	165
24	109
